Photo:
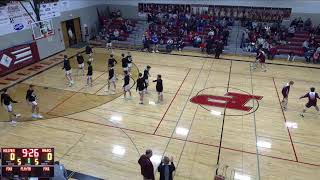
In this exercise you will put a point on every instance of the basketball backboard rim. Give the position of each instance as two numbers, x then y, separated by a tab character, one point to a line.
49	33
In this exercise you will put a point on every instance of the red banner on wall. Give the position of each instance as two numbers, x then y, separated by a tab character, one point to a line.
17	57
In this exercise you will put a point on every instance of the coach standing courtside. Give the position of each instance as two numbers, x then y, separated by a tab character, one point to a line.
146	165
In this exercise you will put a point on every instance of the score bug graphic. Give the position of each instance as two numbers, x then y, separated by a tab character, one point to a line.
27	162
236	101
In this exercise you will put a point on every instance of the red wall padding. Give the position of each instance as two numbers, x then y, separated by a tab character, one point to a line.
17	57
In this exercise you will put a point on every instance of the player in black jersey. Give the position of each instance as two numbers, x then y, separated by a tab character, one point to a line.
126	85
89	74
80	61
159	88
109	44
124	63
129	60
31	99
141	85
112	62
67	69
6	102
146	75
112	79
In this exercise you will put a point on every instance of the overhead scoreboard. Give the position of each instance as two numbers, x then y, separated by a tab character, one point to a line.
27	162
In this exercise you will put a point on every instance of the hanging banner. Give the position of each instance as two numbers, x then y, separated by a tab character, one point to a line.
49	10
14	17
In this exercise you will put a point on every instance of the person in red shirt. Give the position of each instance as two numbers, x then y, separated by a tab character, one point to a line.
147	170
261	59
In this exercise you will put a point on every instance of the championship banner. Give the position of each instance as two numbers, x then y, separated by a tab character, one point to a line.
49	10
14	17
17	57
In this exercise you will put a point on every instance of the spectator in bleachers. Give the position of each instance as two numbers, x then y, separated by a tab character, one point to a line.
307	24
316	57
291	31
305	46
197	41
169	45
180	44
155	42
116	34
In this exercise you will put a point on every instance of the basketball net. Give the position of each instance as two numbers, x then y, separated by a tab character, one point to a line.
48	36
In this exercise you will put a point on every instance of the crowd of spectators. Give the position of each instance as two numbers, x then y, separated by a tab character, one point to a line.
114	27
262	14
301	38
184	29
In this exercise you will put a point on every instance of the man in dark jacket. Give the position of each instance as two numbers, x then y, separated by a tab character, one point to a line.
165	169
146	165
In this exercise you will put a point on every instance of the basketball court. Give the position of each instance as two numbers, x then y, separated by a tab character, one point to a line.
103	135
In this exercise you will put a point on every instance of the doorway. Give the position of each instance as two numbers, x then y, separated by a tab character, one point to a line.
71	31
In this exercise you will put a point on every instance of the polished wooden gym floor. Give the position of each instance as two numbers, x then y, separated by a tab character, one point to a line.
101	134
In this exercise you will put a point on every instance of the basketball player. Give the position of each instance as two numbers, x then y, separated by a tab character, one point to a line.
285	92
80	61
6	101
312	100
146	75
89	74
141	85
67	69
112	62
159	88
32	100
124	62
129	60
126	85
109	44
89	50
261	59
112	79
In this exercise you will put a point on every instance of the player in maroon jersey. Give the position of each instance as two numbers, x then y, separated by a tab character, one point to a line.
312	100
261	58
285	93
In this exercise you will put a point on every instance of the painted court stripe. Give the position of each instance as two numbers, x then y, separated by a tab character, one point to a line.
190	141
196	142
171	102
76	92
223	120
285	120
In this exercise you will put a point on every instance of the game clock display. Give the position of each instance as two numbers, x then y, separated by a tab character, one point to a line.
27	162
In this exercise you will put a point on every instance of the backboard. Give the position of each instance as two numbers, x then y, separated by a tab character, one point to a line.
42	29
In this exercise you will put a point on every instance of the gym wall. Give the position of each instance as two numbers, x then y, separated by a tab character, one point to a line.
86	10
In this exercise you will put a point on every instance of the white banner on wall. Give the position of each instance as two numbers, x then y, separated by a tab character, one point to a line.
49	10
14	17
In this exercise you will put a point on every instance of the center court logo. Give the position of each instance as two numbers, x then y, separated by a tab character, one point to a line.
233	100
